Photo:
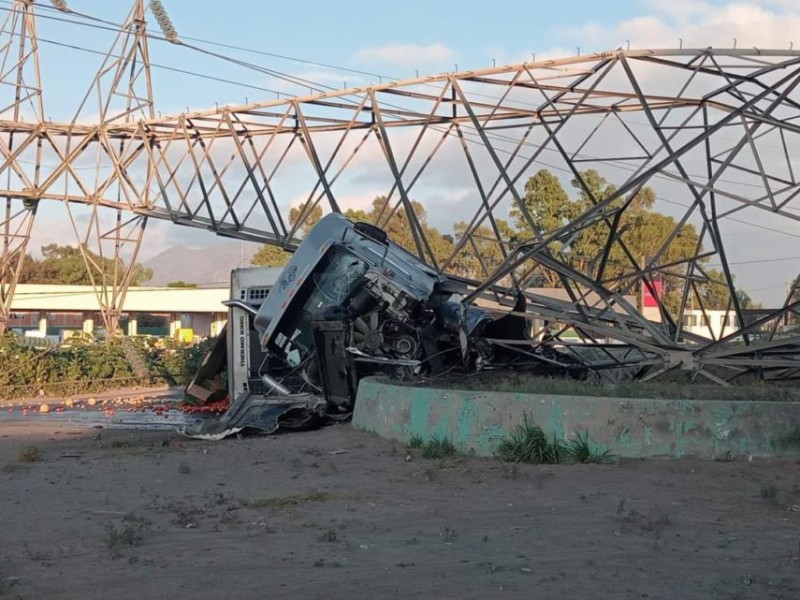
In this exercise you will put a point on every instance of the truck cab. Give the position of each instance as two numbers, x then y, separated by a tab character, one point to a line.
353	270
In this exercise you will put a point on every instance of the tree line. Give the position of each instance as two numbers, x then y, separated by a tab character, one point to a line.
65	265
642	232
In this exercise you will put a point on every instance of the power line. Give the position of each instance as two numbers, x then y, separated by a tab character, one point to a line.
757	261
115	27
295	59
622	167
163	67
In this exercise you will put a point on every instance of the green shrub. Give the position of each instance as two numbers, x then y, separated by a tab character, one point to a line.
438	448
416	441
85	365
529	444
580	450
130	533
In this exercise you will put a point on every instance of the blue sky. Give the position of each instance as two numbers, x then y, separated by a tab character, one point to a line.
395	40
353	43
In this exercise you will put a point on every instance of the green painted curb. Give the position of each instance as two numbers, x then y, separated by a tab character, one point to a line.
476	421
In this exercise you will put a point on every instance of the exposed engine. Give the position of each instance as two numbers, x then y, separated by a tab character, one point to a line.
349	304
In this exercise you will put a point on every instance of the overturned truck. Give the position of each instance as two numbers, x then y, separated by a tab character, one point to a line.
351	303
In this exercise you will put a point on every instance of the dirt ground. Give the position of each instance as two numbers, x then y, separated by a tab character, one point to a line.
338	513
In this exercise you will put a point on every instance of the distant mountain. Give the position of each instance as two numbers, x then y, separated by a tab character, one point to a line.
210	266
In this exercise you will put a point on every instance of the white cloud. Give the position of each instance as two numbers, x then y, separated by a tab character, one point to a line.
360	200
699	24
680	10
411	56
303	83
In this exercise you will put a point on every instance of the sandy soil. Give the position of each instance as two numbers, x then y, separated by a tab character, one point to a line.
339	513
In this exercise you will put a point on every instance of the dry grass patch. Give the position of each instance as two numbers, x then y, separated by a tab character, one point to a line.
289	501
29	454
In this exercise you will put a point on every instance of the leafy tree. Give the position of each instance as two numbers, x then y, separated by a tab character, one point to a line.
745	301
65	265
645	199
587	246
593	188
29	273
483	254
311	219
549	208
794	296
714	293
399	228
358	215
794	291
547	203
270	256
645	233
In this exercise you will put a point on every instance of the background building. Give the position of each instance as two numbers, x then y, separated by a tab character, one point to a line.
51	309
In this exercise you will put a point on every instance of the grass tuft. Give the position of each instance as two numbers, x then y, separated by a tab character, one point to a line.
782	498
769	492
416	441
30	454
130	533
438	448
330	536
288	501
529	444
580	450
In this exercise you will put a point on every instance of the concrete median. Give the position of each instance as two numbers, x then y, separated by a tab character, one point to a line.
476	421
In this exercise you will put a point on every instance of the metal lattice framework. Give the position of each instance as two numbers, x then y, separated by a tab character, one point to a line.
20	93
714	130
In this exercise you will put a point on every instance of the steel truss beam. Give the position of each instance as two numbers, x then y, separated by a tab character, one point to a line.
110	246
20	100
715	129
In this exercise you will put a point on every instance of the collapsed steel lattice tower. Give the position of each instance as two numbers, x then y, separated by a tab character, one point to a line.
715	130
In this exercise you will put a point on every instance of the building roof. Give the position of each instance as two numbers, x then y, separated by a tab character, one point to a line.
67	298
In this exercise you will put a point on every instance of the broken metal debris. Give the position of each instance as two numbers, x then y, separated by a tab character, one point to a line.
351	303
